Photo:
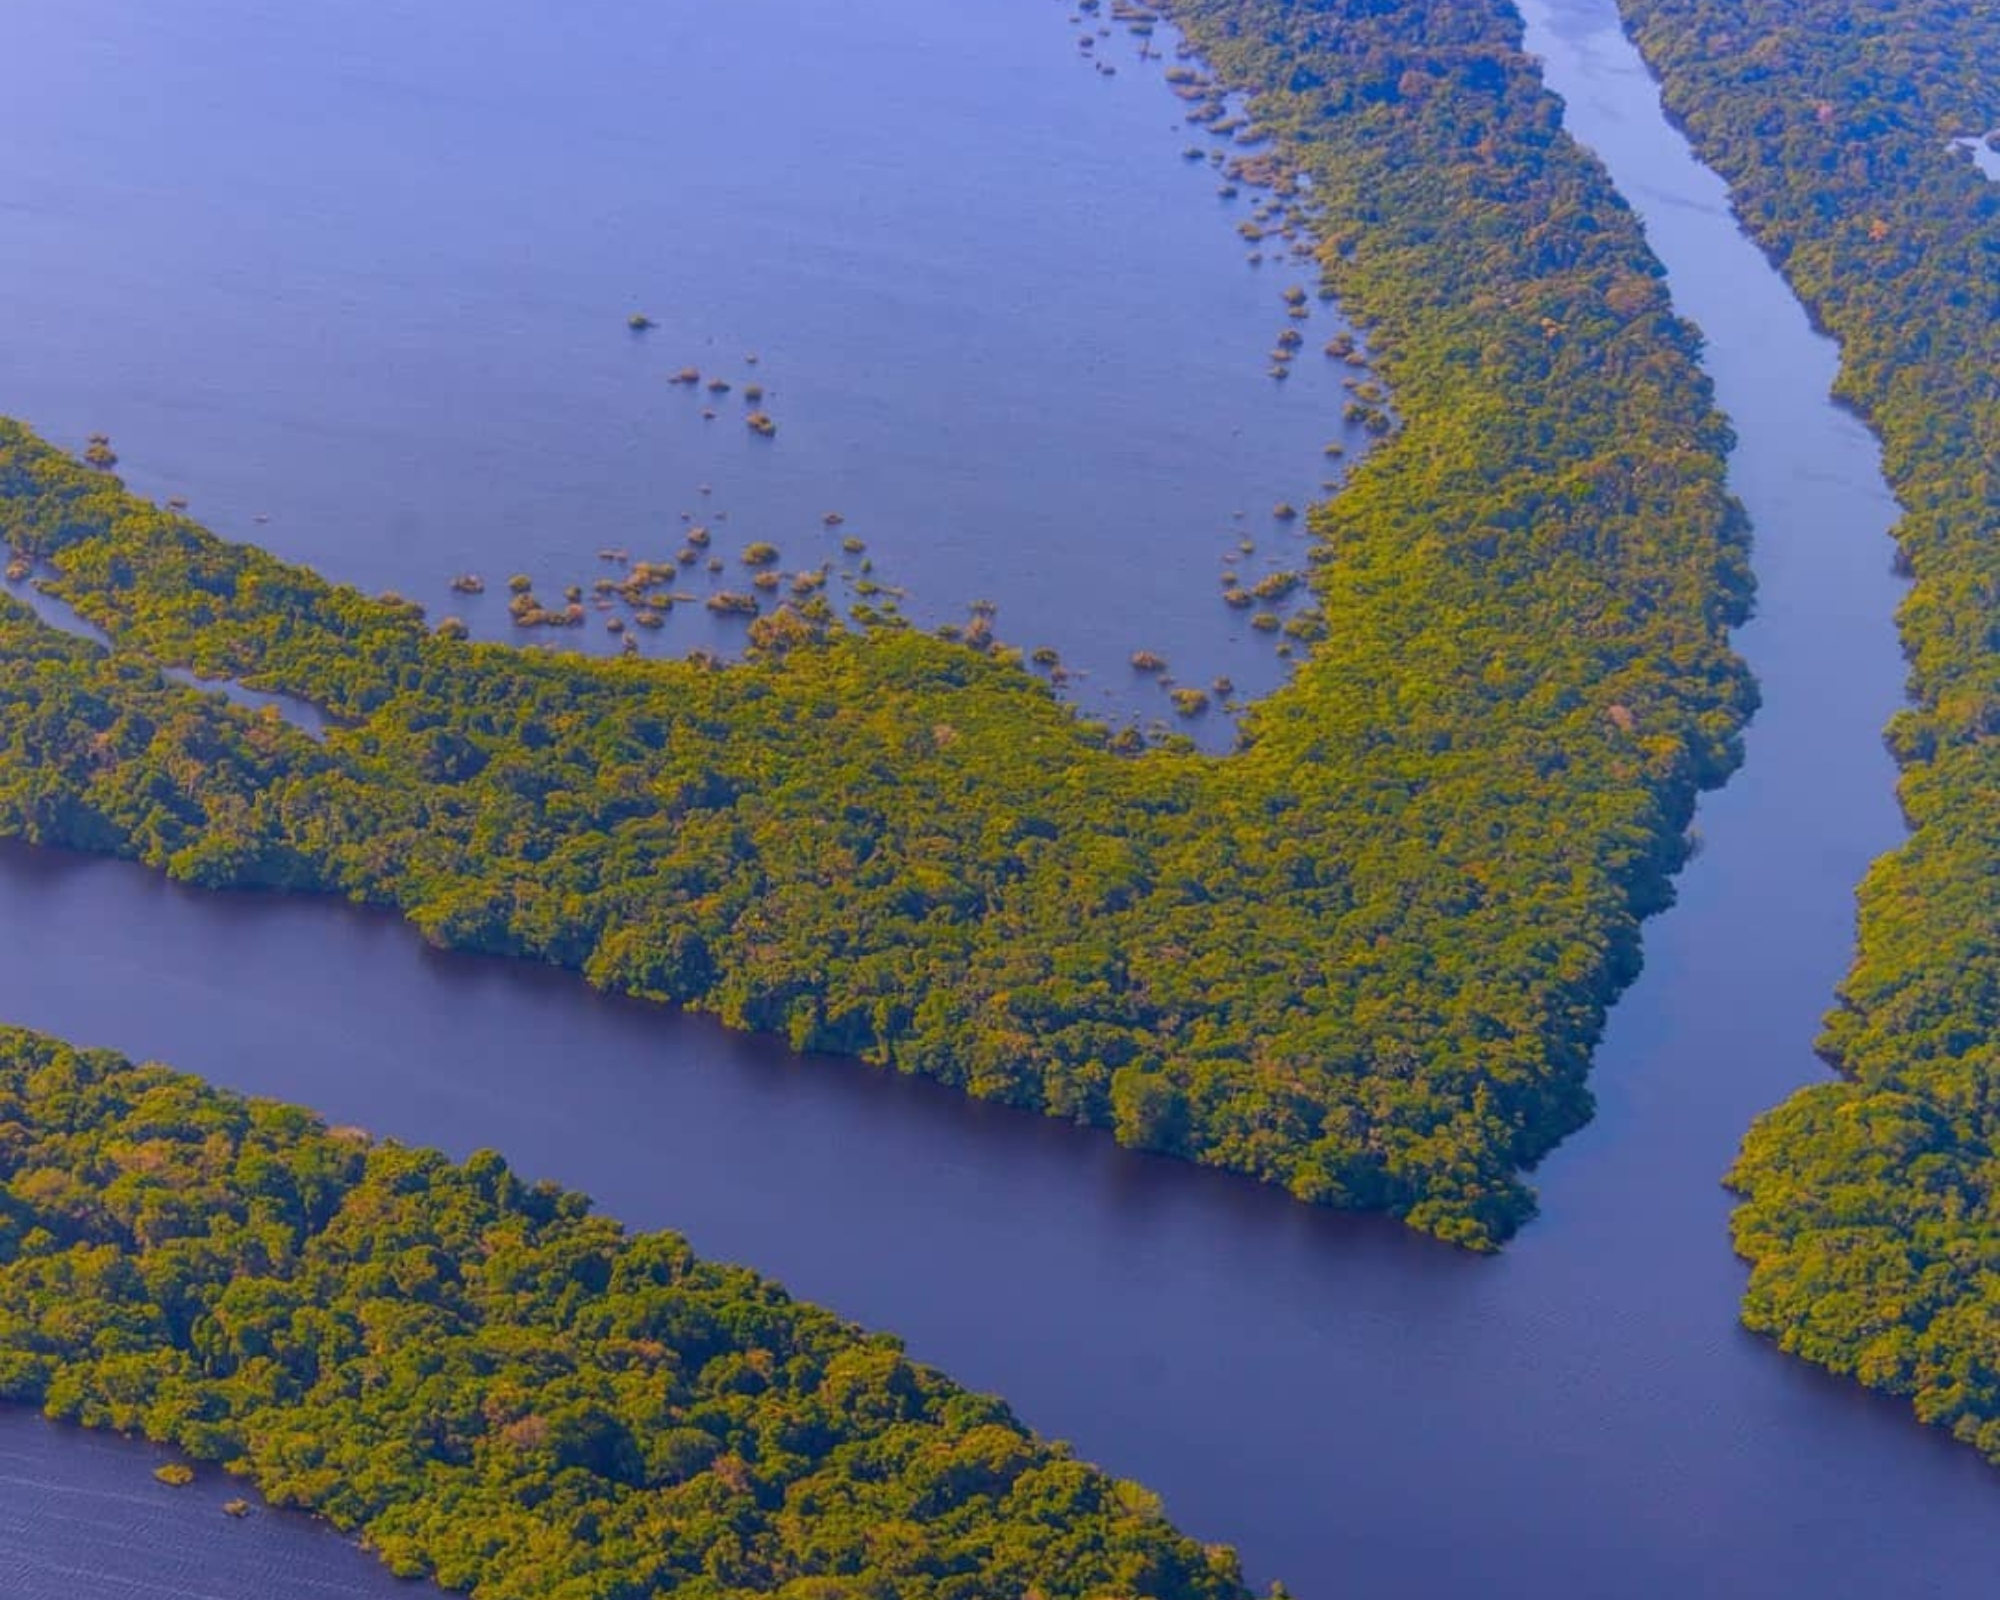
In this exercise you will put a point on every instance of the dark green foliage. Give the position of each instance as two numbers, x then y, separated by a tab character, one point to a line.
1872	1212
1366	958
498	1389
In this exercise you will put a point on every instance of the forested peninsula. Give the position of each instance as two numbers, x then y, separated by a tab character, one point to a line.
495	1387
1871	1210
1365	958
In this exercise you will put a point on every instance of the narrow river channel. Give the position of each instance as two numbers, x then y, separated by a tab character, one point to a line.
1358	1411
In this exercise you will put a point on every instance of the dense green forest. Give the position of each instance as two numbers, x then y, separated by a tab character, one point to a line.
1365	958
497	1388
1872	1212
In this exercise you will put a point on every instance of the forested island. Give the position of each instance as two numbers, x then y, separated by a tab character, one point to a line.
1366	958
1871	1210
499	1389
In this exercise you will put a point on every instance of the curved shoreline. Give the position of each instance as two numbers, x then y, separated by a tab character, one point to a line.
1008	399
497	1387
1579	1416
1863	1200
85	1519
1444	830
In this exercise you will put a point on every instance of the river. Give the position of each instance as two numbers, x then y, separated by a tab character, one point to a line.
1357	1410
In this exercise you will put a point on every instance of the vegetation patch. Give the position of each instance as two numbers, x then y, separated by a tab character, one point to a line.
1365	958
496	1388
1872	1205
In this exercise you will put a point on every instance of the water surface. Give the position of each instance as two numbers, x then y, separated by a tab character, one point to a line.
1359	1411
353	279
82	1518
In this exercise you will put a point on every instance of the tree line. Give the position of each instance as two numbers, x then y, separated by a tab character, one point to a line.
1871	1210
1365	958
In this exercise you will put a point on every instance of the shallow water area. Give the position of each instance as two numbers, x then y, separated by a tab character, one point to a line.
1985	153
82	1518
355	280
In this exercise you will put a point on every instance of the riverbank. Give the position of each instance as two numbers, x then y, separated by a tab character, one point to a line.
1866	1202
495	1387
1365	960
83	1518
983	362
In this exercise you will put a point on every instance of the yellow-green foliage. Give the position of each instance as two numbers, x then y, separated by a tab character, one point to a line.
1365	959
499	1389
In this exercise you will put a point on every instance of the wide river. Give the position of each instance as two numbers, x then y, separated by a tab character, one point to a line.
1358	1411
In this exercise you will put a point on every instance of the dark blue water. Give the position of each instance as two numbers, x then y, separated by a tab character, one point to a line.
1358	1411
83	1518
353	279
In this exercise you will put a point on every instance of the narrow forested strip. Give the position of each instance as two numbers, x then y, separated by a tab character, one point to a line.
496	1387
1366	959
1872	1206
